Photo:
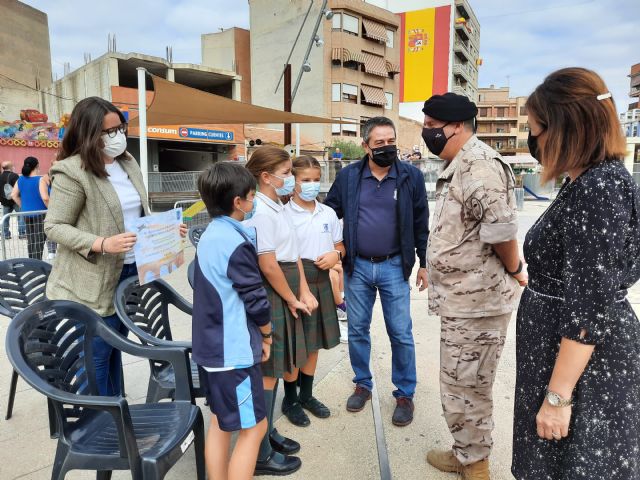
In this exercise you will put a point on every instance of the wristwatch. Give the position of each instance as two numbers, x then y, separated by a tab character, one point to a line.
339	254
267	335
556	400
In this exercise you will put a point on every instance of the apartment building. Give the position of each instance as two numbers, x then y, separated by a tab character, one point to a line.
502	120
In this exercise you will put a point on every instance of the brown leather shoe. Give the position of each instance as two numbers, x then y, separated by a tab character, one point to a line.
444	460
476	471
358	399
403	414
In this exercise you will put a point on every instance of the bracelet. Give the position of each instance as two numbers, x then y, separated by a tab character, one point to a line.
339	254
519	270
266	335
102	246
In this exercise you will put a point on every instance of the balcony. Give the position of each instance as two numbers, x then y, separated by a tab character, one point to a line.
463	71
461	30
635	91
495	134
458	90
461	51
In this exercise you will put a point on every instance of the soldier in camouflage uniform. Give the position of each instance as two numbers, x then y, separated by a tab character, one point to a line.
474	273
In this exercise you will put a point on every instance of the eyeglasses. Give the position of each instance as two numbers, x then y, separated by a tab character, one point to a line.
113	131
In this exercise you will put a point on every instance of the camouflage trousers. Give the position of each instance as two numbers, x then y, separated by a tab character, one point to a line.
469	352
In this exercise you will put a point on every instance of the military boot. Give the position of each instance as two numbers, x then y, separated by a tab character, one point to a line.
476	471
444	460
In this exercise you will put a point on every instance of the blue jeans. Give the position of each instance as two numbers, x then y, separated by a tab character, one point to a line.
22	229
360	292
108	360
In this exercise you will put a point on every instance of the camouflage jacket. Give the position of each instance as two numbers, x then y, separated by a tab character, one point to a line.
475	208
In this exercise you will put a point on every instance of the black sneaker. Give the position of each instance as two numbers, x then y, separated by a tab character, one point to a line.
316	407
403	414
358	399
278	464
295	414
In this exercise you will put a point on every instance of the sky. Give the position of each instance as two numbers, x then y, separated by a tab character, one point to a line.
521	41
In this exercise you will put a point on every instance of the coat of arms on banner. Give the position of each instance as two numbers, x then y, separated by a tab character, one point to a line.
417	40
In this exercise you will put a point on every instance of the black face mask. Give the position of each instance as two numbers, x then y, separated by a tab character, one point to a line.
532	143
384	156
436	139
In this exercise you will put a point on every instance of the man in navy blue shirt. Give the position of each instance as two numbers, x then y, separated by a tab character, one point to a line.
384	206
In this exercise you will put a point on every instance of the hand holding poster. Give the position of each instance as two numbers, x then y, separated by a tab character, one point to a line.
159	248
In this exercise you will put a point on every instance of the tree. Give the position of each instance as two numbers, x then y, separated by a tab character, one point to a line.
350	150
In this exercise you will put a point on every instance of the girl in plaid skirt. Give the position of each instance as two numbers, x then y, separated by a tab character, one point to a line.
319	235
289	295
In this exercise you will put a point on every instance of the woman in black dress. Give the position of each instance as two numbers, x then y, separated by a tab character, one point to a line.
577	399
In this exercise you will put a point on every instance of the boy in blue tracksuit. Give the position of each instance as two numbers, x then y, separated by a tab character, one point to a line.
231	329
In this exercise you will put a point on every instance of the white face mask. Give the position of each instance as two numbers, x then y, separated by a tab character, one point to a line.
114	146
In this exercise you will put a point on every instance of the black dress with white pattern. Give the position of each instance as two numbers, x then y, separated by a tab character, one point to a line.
582	254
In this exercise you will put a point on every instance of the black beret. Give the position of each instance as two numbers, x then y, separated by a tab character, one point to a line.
450	108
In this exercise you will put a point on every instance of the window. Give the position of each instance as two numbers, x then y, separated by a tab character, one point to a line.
389	104
500	130
498	145
522	144
363	120
500	112
336	21
335	127
523	111
350	24
349	93
483	112
524	127
335	92
390	34
350	130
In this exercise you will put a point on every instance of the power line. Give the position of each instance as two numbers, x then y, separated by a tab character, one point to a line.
35	89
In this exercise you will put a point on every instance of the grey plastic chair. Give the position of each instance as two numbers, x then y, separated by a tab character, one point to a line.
50	344
144	309
22	283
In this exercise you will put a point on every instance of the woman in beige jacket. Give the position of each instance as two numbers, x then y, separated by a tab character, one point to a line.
97	189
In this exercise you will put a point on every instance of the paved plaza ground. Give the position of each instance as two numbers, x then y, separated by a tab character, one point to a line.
341	447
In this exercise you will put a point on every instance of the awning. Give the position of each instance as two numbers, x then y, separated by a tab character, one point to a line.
374	30
373	95
345	55
392	67
375	65
175	104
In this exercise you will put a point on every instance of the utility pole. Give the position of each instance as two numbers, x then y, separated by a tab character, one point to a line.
287	102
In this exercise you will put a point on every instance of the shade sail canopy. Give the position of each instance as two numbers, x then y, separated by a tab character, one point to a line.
175	104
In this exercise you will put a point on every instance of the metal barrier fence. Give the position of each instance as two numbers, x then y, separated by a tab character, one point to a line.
201	218
22	236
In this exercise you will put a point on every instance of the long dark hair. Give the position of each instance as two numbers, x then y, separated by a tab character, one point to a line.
83	135
29	165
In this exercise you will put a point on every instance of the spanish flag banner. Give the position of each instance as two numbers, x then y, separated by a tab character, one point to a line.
424	57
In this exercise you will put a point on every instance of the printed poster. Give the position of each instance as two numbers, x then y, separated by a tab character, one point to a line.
159	249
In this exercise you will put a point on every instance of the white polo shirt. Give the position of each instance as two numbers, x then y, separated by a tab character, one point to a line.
317	231
275	232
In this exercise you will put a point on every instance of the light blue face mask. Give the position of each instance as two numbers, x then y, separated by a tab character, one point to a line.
248	215
309	191
287	188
